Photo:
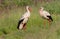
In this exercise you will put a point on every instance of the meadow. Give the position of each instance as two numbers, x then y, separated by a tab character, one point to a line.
35	26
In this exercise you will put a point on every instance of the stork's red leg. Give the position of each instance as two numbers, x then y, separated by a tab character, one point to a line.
24	26
44	22
49	22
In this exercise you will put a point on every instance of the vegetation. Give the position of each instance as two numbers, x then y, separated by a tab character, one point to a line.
10	13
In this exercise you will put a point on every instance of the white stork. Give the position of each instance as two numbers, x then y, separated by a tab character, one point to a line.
23	20
45	14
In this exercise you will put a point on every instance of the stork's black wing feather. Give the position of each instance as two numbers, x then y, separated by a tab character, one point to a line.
19	23
50	18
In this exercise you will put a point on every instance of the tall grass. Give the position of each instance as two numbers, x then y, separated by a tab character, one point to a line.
35	26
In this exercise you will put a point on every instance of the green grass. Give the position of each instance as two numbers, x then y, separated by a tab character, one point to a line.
35	26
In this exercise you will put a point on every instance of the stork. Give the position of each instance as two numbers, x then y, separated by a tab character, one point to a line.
23	20
45	14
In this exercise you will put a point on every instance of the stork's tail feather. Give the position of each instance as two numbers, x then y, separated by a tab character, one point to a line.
19	23
50	18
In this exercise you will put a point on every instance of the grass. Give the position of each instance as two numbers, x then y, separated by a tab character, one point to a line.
35	27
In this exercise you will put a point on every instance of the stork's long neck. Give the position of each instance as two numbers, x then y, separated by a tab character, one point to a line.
41	10
28	10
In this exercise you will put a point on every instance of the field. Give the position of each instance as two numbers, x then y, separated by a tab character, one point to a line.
35	26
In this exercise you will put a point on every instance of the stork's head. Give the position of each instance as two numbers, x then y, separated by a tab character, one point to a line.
41	8
28	8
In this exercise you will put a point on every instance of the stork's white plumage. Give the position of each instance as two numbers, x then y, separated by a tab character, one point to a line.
45	14
23	20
